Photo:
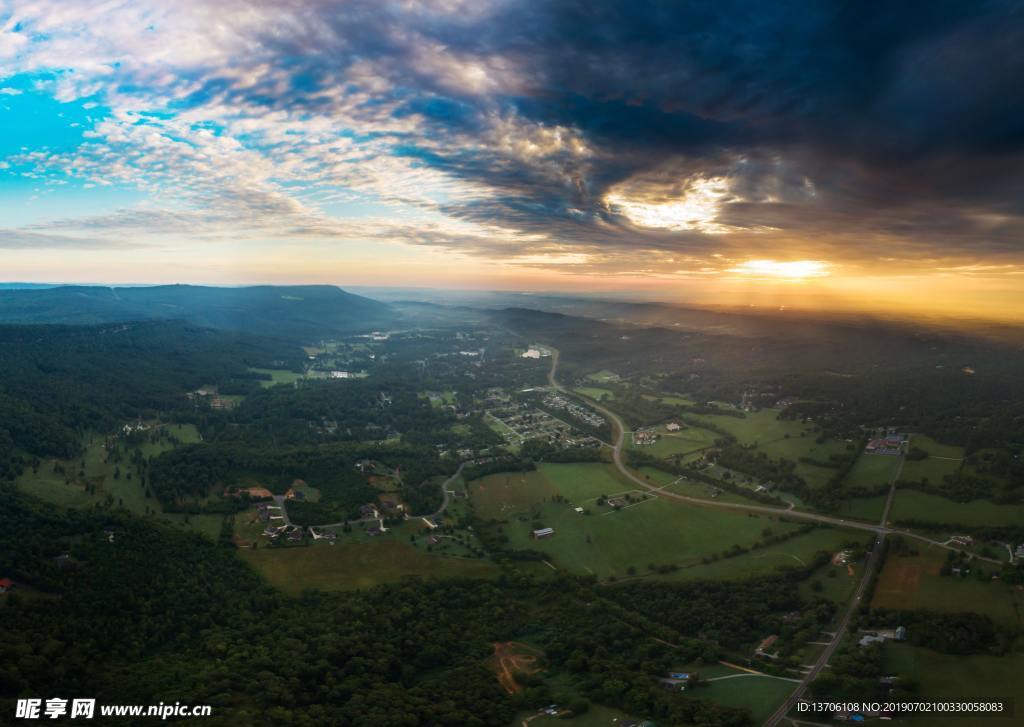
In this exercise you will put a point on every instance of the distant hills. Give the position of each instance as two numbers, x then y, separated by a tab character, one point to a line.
293	312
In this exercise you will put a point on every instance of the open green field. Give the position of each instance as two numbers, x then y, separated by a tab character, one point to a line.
675	400
958	678
623	543
862	508
917	505
796	551
784	439
913	581
500	495
123	491
872	470
278	376
594	393
760	694
942	460
350	565
684	441
838	588
604	376
700	490
759	427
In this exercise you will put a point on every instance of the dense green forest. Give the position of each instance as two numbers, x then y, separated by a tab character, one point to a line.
190	623
60	381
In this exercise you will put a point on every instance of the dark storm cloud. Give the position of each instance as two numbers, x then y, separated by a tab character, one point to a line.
907	118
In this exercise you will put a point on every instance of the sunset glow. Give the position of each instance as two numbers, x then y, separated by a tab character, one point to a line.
791	270
426	150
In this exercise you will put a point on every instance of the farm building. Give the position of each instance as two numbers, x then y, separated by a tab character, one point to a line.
542	533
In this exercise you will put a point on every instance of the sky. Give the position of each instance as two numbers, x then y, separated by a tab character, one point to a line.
801	153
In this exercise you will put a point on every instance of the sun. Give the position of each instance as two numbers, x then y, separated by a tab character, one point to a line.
788	270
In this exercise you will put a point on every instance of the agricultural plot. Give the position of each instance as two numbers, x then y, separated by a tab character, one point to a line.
500	495
354	565
863	508
278	376
957	678
838	582
622	543
604	376
913	581
682	486
673	400
124	490
784	439
797	551
942	460
595	393
918	505
760	694
872	471
685	441
619	543
760	427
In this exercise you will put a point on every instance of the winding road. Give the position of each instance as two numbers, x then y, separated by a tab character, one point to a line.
619	434
880	530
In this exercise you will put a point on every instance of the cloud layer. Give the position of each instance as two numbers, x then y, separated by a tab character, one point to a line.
636	137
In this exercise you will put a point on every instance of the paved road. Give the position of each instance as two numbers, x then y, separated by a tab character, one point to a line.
446	498
880	530
851	608
618	436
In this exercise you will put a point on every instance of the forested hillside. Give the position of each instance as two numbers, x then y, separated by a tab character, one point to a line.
59	381
297	313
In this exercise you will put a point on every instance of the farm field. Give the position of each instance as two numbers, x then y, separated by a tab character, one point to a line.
872	471
863	508
688	487
688	439
917	505
353	565
942	460
796	551
124	491
760	427
911	582
608	542
672	400
957	678
278	376
784	439
838	588
760	694
594	393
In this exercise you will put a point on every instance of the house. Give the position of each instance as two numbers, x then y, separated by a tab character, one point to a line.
6	584
579	510
869	639
542	533
369	511
766	643
673	427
